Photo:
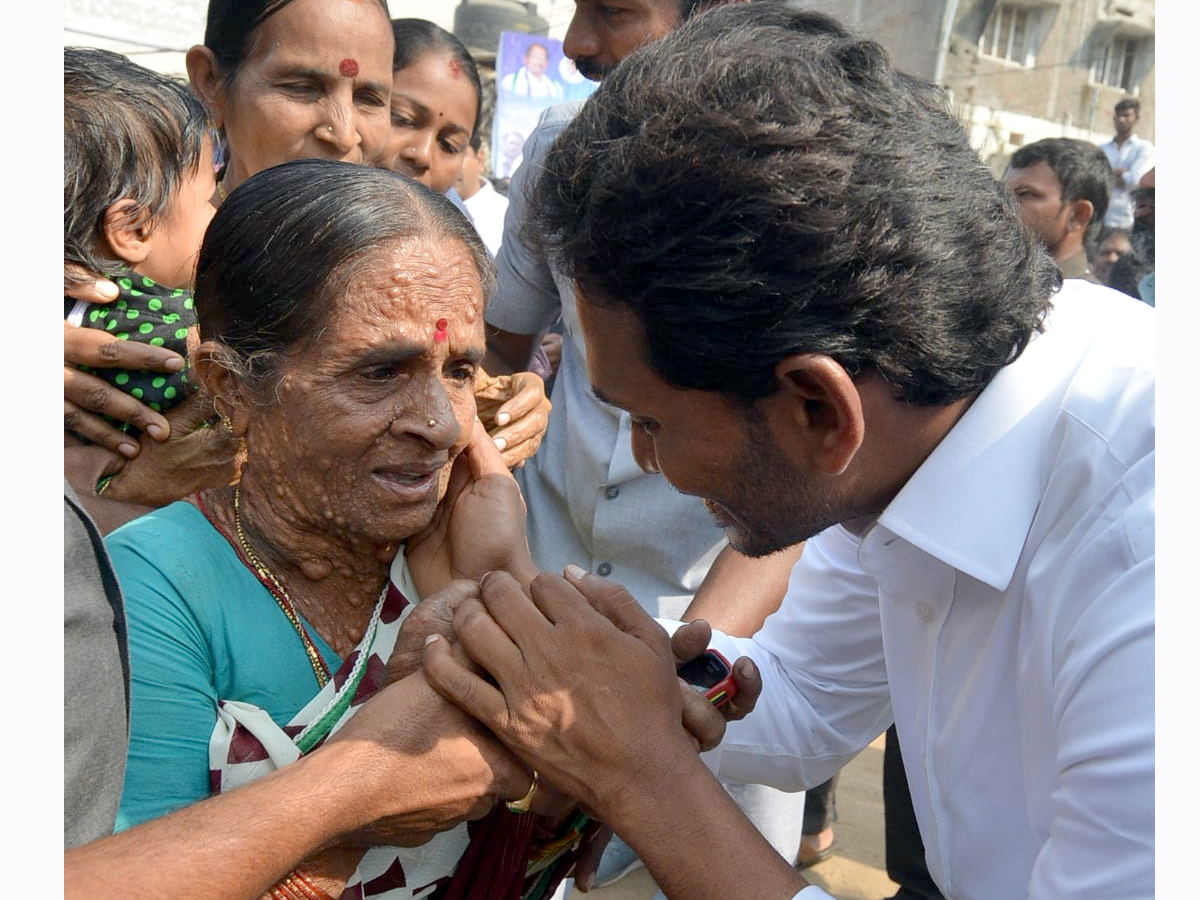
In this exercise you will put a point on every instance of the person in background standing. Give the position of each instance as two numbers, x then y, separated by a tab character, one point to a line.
484	204
1112	245
1062	187
1131	157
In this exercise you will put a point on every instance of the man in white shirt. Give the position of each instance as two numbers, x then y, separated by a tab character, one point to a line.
589	501
824	317
485	205
531	79
1131	157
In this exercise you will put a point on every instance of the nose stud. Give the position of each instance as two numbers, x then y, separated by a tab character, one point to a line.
431	423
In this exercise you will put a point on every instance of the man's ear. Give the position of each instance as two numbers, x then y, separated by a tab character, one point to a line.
1081	215
127	227
821	410
204	75
219	381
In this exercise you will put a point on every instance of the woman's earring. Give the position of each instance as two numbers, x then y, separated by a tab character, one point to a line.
227	424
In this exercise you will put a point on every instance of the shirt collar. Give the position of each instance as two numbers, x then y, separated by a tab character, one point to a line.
1075	266
972	502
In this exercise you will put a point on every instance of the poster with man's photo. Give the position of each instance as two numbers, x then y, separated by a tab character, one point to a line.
531	74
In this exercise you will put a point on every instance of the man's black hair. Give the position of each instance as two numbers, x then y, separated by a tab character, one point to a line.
128	132
761	182
1129	103
1082	169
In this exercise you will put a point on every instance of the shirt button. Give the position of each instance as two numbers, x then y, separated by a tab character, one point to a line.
612	492
604	569
925	611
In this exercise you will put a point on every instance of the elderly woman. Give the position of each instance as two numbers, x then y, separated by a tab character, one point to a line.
283	80
341	319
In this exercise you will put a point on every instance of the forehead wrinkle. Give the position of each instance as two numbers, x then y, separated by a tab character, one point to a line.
407	287
345	25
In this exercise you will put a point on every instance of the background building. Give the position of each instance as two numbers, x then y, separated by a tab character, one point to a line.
1016	70
1021	70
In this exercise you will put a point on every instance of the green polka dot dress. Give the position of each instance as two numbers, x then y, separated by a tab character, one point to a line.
152	314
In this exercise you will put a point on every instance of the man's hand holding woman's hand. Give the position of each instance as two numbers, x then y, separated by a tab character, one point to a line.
435	765
582	683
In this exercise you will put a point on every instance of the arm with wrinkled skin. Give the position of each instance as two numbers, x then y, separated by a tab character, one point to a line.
236	845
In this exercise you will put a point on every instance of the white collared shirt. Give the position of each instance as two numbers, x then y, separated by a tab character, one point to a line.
522	83
1003	607
589	501
1136	156
486	208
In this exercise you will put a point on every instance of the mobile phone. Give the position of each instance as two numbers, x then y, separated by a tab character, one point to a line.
710	674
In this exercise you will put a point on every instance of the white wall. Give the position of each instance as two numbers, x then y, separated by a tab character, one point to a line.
992	132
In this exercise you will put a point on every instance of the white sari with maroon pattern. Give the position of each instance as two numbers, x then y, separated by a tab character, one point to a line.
246	744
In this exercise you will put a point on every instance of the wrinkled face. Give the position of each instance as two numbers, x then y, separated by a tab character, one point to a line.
1124	121
433	116
1039	192
370	418
179	232
703	443
314	85
1110	250
604	32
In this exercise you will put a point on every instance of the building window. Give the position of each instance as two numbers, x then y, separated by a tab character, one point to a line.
1010	33
1119	64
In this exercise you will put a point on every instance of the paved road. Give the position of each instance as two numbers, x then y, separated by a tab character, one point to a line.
854	872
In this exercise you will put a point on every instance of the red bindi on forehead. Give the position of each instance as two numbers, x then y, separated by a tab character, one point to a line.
439	335
348	67
455	68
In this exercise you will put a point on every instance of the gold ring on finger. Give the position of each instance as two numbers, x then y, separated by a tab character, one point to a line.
523	805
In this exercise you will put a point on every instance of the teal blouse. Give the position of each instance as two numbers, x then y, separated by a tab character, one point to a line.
202	628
